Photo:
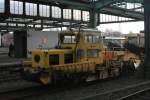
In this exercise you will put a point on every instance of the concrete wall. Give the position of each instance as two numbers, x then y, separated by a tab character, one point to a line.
41	39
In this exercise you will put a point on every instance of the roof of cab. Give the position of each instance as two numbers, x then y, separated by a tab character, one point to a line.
85	31
53	50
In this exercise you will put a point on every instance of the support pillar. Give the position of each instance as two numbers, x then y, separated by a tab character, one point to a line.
24	9
0	39
7	8
93	19
2	45
147	38
20	44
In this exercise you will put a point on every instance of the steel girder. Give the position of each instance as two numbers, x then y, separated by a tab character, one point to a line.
135	1
81	5
123	12
103	3
100	6
62	3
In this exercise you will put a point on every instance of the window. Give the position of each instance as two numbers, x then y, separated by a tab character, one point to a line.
77	14
68	58
85	15
68	39
93	53
54	59
16	7
91	39
80	53
88	39
95	39
2	5
67	13
44	10
56	12
31	9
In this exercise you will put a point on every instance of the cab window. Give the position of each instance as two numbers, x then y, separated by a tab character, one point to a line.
68	39
68	58
54	59
91	39
88	39
95	39
80	53
93	53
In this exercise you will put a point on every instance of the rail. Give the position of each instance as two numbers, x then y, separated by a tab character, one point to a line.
119	93
134	95
10	71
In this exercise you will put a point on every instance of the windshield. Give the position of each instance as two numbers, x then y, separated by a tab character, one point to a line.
93	53
68	38
91	39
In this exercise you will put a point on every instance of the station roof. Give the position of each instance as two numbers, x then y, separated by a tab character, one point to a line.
50	13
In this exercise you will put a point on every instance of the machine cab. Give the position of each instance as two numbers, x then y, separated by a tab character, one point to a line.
86	44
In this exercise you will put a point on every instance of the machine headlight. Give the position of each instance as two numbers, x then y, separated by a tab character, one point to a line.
37	58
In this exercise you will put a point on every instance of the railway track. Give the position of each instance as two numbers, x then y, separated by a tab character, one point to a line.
55	91
122	93
10	72
139	95
35	91
23	93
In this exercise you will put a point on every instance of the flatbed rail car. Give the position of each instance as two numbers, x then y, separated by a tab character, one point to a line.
114	41
79	55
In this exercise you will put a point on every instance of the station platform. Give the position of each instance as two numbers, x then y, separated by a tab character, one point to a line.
3	51
5	59
14	85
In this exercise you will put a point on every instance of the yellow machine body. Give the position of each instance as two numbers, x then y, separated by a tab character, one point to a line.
79	55
45	56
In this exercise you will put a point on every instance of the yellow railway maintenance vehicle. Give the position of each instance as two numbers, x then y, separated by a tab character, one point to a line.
80	55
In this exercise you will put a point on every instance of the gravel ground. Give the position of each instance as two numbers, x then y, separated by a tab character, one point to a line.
77	93
4	50
5	59
9	86
4	56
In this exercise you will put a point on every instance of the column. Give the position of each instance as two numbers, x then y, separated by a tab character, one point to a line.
147	38
93	19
